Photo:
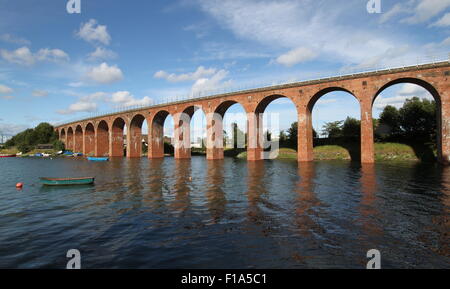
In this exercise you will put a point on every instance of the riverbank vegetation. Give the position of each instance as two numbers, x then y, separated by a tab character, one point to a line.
28	141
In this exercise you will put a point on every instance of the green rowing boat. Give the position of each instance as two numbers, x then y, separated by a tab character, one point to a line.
67	181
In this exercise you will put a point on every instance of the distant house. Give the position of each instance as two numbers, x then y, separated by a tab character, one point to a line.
44	146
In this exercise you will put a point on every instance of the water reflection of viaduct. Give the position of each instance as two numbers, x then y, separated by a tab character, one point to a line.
103	135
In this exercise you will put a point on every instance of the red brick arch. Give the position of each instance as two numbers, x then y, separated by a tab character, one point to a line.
365	87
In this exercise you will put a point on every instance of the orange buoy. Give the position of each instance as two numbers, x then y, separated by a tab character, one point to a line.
19	185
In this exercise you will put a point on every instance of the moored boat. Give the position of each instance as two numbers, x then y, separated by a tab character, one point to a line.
7	155
98	159
67	181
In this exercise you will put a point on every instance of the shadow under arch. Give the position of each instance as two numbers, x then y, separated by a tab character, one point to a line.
117	141
62	135
353	147
70	136
78	146
156	139
102	142
134	140
421	150
89	139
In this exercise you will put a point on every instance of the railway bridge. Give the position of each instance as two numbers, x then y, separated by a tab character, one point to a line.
104	135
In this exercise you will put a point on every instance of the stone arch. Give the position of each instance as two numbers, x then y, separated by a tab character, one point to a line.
438	100
156	137
78	144
353	150
215	128
62	135
89	139
264	102
117	137
102	139
70	138
256	128
182	133
134	140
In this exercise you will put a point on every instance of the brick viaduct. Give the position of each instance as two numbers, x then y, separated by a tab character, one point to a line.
103	135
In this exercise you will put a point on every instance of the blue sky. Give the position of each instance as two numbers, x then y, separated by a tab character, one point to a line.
56	66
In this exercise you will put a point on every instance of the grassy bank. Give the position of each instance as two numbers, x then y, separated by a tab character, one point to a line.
383	151
14	150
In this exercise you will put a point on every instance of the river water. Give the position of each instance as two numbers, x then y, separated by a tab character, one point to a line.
224	214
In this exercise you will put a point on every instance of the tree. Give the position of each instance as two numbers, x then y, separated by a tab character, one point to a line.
389	122
418	119
58	145
238	136
293	135
283	138
351	128
332	129
44	133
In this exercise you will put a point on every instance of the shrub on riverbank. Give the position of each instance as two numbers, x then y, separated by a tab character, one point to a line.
27	140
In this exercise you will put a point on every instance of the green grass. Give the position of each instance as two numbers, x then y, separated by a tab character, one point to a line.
331	152
383	151
12	150
394	151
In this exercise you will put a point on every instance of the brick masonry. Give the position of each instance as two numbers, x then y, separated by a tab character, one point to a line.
107	137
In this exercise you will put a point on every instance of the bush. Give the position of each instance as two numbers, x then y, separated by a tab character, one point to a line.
58	145
24	148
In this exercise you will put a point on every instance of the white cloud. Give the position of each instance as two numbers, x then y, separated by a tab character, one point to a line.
125	98
94	33
14	39
387	57
101	53
5	89
295	56
76	84
7	96
105	74
198	74
411	90
9	129
210	84
54	55
87	103
39	93
395	10
427	9
443	22
407	91
437	46
24	56
290	24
